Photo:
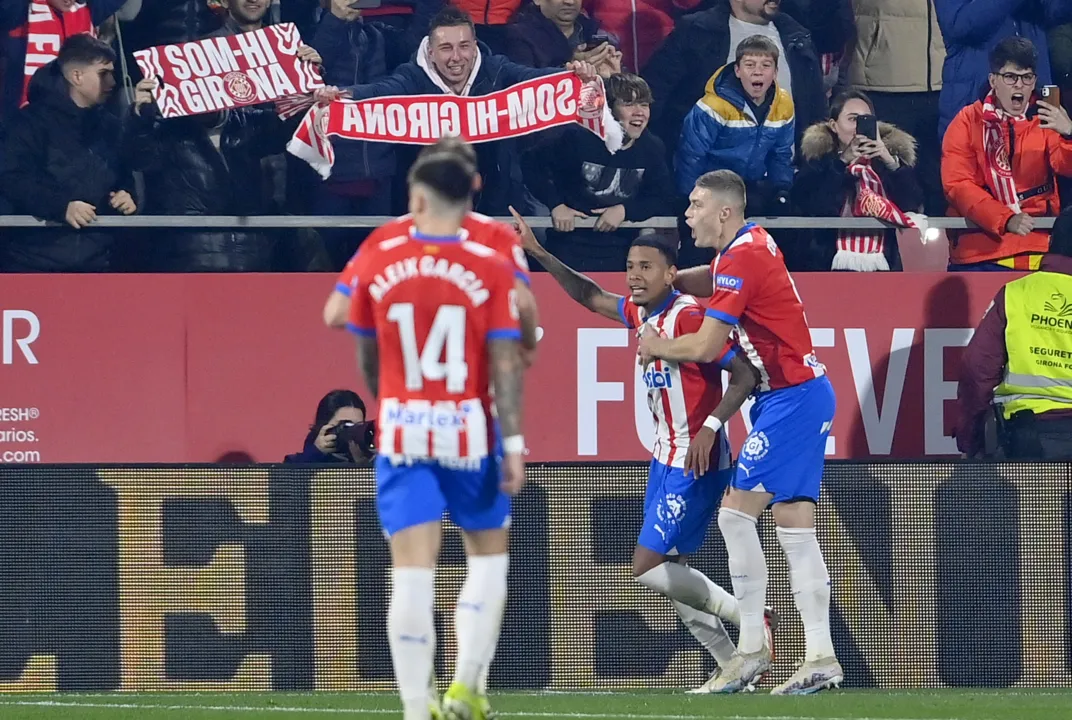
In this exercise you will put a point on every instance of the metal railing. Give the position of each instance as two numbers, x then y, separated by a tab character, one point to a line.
238	222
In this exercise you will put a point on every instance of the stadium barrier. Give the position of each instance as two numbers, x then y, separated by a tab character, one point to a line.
201	578
354	221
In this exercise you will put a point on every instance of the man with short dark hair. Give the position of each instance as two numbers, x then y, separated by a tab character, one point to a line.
452	61
972	28
691	464
753	299
745	123
998	166
430	348
32	33
62	162
576	176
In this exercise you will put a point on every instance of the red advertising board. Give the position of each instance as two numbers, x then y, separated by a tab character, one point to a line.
189	368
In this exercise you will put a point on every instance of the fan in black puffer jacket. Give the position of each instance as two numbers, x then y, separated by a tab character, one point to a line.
823	185
185	174
55	153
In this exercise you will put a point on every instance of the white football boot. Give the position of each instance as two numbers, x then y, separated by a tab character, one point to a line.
812	677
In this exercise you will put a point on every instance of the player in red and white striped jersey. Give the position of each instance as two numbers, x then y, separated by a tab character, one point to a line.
753	297
691	464
436	317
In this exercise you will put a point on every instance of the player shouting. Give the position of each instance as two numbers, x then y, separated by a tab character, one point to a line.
690	468
437	323
782	459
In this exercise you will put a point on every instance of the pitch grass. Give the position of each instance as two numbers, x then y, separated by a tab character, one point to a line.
838	705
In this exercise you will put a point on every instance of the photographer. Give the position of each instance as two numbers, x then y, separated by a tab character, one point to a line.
339	433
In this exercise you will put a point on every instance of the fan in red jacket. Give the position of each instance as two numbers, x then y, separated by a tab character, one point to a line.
999	167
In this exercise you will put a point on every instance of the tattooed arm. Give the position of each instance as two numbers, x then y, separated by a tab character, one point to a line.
506	378
579	287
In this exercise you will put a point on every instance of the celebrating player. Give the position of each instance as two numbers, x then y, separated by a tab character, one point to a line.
782	458
690	467
437	323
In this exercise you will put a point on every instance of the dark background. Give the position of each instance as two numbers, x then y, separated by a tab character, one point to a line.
574	618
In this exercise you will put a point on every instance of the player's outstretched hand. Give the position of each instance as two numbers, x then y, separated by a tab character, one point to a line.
513	474
529	243
698	458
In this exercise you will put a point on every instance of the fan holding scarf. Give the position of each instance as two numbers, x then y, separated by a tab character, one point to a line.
1000	159
845	174
35	30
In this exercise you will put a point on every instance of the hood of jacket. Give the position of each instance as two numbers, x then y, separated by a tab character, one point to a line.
819	140
424	61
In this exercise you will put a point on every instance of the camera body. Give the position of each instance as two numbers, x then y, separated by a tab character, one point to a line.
362	434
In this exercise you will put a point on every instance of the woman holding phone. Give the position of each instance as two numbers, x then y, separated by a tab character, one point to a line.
852	165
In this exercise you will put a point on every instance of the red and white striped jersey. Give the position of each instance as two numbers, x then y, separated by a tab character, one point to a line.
433	304
754	291
680	395
500	237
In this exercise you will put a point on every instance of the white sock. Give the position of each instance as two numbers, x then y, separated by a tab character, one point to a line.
708	631
691	587
478	616
748	568
411	633
811	589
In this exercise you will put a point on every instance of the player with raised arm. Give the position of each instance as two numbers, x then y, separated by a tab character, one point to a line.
436	317
690	469
781	463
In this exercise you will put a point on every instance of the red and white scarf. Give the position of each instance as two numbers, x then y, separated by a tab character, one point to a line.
996	147
45	31
521	109
862	250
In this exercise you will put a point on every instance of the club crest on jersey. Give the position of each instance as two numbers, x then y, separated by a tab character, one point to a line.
755	447
671	508
729	282
658	380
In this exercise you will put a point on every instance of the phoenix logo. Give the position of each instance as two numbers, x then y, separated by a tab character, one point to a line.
1059	305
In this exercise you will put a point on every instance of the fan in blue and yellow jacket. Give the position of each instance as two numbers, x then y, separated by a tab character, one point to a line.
744	123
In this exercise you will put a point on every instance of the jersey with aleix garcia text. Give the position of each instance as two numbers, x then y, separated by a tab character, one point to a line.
498	236
433	304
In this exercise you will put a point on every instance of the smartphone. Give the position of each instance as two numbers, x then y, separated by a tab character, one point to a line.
867	126
364	4
1051	94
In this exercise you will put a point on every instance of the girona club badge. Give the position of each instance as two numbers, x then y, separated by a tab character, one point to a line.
1003	158
239	87
590	101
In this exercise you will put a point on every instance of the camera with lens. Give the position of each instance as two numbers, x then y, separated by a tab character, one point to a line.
361	434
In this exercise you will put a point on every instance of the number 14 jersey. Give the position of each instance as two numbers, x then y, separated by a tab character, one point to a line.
433	304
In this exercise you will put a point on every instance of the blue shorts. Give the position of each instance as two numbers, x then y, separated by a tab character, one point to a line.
784	453
408	495
678	509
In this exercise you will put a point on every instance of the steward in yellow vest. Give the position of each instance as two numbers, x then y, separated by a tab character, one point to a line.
1020	358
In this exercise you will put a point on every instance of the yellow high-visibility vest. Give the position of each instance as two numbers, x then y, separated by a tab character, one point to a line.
1038	339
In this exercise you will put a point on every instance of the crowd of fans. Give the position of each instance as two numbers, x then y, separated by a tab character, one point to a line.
967	124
